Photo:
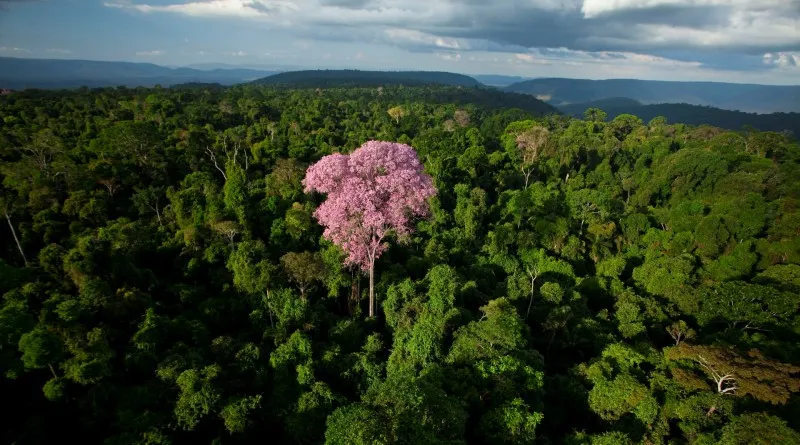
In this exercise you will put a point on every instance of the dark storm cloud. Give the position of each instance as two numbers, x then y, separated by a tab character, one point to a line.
701	17
665	26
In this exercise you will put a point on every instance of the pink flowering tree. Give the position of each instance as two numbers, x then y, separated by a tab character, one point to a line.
373	192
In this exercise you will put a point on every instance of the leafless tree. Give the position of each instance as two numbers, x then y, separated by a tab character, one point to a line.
111	184
531	143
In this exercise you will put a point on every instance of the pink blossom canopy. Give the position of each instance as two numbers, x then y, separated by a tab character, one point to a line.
379	187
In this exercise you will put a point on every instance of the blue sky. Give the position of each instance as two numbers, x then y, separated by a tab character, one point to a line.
724	40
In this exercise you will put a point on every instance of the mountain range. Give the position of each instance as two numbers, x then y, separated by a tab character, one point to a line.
749	98
344	78
20	73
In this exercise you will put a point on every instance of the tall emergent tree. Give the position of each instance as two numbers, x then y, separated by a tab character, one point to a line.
373	191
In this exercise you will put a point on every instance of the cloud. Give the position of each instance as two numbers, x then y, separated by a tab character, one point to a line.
450	57
529	58
236	54
415	38
594	25
157	52
214	8
12	49
548	56
783	59
594	8
669	35
59	51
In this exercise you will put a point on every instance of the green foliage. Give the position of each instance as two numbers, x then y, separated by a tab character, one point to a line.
236	411
511	423
198	395
303	269
498	332
356	424
758	428
420	323
743	303
54	389
40	348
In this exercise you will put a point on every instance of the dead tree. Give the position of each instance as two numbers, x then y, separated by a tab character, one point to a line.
7	213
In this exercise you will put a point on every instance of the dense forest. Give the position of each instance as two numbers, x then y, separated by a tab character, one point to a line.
165	278
691	114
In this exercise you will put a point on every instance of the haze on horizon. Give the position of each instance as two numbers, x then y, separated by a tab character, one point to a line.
697	40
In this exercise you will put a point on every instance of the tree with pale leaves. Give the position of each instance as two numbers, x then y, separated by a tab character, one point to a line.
397	113
373	192
530	143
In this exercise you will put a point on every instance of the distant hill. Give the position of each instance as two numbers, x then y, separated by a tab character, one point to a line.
729	96
603	104
482	97
197	85
19	73
350	78
690	114
496	80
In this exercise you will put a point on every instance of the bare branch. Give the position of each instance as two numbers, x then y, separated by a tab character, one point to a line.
726	384
214	160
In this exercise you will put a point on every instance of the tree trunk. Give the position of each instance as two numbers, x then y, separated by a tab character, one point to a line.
371	288
14	234
269	309
158	214
530	302
354	292
53	370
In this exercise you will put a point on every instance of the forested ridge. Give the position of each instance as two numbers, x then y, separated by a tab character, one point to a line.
165	279
359	78
692	114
